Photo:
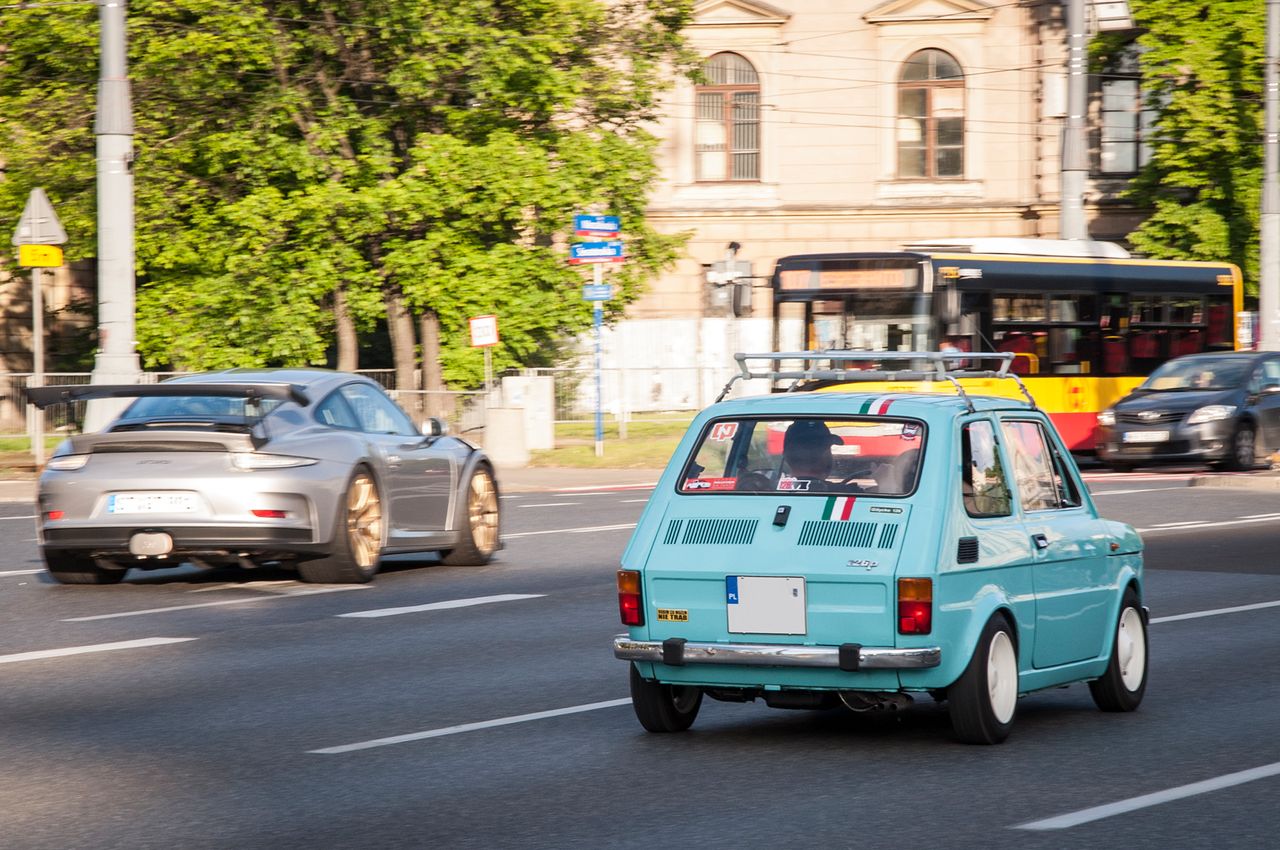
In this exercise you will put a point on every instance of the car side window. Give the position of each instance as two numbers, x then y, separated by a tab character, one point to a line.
985	489
376	413
1270	373
336	413
1042	480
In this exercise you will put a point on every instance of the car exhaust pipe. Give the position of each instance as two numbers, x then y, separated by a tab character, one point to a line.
862	701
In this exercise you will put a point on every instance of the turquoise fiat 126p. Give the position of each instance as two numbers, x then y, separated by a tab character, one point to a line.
818	549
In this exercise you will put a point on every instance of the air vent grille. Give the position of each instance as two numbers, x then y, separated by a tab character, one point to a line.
673	531
967	551
863	534
718	532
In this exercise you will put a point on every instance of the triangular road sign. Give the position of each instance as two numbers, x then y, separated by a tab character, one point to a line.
39	224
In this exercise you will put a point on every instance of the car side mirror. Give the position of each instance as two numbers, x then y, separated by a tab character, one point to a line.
434	427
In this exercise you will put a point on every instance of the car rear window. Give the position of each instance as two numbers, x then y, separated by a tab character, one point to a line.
806	454
187	407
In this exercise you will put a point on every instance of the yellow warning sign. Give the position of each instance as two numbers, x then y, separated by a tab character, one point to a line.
39	256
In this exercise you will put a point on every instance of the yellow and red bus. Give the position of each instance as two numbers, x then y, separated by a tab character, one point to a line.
1085	321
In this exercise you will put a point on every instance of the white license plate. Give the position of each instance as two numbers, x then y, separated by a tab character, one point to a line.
765	605
1145	436
151	503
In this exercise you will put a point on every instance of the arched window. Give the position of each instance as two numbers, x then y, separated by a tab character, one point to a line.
931	116
727	140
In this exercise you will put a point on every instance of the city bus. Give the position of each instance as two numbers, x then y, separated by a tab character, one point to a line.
1085	321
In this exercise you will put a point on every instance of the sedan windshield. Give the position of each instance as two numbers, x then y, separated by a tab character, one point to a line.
806	455
1198	373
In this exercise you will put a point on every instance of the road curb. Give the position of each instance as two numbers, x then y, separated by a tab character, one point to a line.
1266	481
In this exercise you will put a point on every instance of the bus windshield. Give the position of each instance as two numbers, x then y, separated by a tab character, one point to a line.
868	321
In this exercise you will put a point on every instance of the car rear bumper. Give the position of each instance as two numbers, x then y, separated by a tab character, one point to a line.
850	656
114	540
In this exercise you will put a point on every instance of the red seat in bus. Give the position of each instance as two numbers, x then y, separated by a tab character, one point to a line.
1018	343
1186	342
1115	357
1144	344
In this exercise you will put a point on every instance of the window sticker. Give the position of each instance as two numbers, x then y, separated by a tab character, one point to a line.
786	482
710	483
723	431
910	430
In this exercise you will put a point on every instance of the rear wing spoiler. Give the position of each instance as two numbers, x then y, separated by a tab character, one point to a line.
918	366
43	397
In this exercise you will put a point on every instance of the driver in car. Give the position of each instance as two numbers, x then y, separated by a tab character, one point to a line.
806	450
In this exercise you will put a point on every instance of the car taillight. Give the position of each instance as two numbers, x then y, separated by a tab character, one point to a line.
267	513
915	606
630	605
55	514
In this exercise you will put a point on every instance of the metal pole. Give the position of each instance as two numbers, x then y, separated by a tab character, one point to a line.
1269	283
37	362
117	359
597	317
1075	160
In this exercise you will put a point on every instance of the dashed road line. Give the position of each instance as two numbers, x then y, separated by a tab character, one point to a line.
218	603
550	504
3	518
470	727
442	606
1196	615
1155	529
585	530
1148	800
84	650
20	572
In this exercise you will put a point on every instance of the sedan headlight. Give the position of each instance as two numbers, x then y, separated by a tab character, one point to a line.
1107	417
66	463
1211	413
254	460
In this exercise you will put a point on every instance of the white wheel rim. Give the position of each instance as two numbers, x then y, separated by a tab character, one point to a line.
364	521
1131	649
1002	677
482	507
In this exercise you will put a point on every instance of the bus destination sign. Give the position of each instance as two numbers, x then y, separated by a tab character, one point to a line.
869	278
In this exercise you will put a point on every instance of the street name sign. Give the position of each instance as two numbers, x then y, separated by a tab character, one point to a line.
597	291
600	226
595	252
484	331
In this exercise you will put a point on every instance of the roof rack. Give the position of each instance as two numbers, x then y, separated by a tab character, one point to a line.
921	366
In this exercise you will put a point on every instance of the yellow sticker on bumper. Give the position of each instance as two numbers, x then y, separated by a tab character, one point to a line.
673	615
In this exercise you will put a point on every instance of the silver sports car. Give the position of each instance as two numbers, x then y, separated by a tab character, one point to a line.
307	467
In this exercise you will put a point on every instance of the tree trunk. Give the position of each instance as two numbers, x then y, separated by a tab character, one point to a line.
438	402
345	330
404	351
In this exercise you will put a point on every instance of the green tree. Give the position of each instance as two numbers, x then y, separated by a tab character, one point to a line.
306	168
1202	72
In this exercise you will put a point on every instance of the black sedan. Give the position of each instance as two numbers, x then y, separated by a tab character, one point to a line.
1221	408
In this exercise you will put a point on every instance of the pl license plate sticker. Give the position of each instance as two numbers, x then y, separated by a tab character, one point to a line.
694	484
723	431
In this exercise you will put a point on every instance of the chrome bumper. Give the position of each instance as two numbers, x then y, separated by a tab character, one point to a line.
849	657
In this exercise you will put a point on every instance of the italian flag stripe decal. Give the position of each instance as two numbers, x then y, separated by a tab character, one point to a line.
838	507
876	406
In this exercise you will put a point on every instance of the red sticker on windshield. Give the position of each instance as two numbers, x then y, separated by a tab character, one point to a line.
710	484
722	431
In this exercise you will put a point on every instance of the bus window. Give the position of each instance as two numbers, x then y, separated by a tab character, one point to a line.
1220	326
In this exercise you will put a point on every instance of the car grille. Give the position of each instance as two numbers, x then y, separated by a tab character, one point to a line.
1166	417
863	534
711	532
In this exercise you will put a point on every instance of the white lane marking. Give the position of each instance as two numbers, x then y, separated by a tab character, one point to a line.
21	572
82	650
1260	516
442	606
550	504
629	501
1178	524
470	727
1138	490
601	489
1195	615
1155	529
219	602
1147	800
3	518
571	530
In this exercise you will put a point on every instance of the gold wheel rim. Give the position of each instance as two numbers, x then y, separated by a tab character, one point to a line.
482	508
364	521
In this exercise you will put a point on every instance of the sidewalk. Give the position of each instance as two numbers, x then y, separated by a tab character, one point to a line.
510	480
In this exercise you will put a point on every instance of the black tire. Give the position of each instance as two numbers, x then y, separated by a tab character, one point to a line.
981	702
1244	448
479	537
1121	688
663	708
76	568
358	537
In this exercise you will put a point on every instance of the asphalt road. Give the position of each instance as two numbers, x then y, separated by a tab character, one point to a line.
445	707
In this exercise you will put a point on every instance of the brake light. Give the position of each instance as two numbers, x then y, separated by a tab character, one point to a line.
270	514
55	514
630	605
915	606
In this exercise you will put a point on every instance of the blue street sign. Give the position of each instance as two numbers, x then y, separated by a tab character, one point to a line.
595	252
603	226
597	291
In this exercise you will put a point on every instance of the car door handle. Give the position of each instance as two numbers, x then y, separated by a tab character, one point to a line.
1040	540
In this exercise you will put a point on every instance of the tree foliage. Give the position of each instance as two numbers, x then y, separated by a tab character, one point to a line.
423	152
1202	72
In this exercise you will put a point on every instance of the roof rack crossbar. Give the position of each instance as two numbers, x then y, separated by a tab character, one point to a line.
920	366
